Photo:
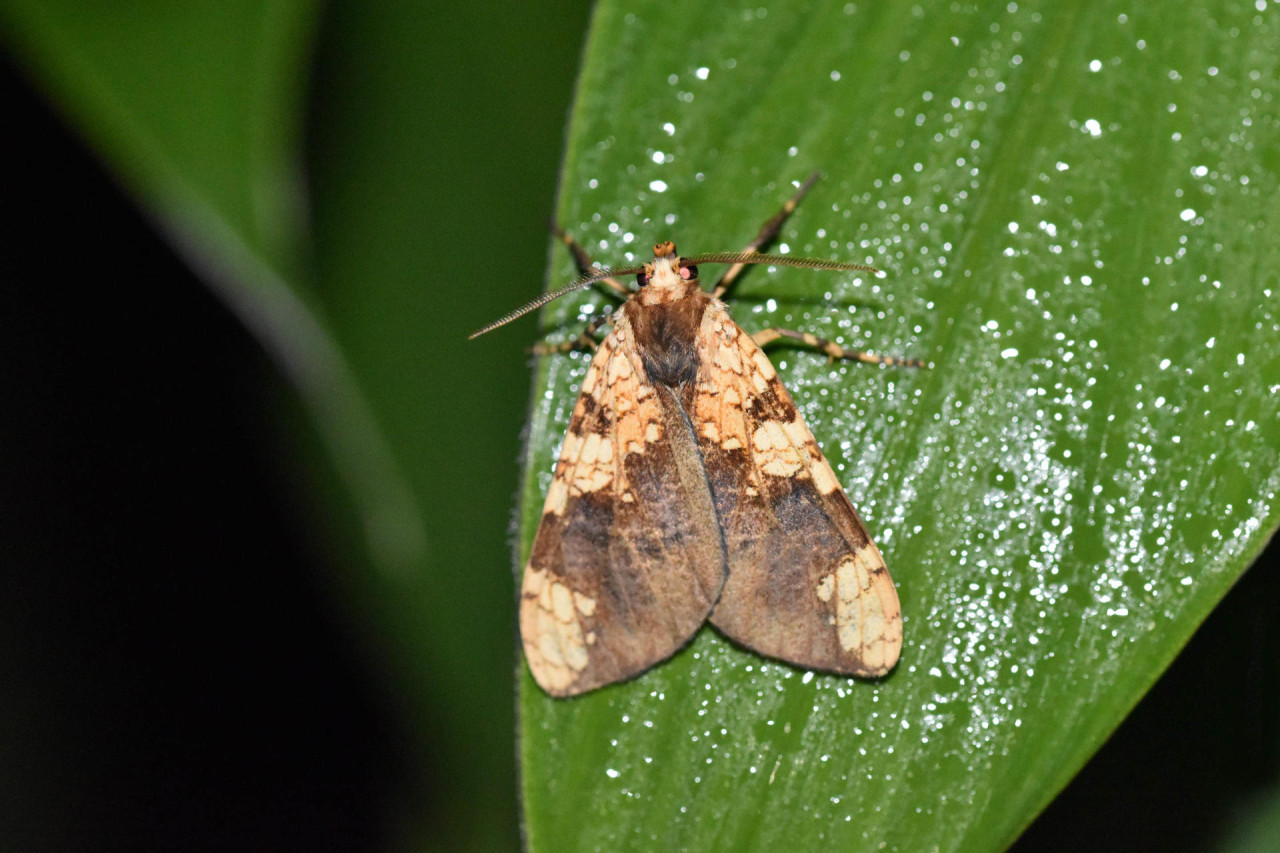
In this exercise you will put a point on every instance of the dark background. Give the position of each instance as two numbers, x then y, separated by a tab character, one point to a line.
173	674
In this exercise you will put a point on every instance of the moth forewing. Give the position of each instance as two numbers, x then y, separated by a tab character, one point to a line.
628	559
806	584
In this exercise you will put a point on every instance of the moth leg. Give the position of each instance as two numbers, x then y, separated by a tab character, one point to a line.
834	350
583	261
584	342
767	235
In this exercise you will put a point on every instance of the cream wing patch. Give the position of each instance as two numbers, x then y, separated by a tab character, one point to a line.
556	643
867	618
775	451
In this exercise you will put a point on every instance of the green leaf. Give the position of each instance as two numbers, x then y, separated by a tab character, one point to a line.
1257	827
1071	203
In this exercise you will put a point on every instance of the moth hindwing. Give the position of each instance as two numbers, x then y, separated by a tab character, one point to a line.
689	489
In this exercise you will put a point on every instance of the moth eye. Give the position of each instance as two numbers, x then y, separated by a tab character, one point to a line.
688	273
642	279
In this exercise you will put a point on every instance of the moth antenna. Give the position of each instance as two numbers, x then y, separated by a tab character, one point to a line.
579	284
780	260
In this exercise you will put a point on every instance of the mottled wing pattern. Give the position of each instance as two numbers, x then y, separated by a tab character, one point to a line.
628	559
806	583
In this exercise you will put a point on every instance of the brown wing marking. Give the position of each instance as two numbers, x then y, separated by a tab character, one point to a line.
806	583
628	559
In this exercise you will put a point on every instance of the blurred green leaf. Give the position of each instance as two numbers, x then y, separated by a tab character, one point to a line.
339	179
1071	202
1257	827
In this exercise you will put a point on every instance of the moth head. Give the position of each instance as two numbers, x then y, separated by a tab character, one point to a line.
668	269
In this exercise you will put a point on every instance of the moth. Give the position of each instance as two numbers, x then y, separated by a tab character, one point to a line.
689	489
